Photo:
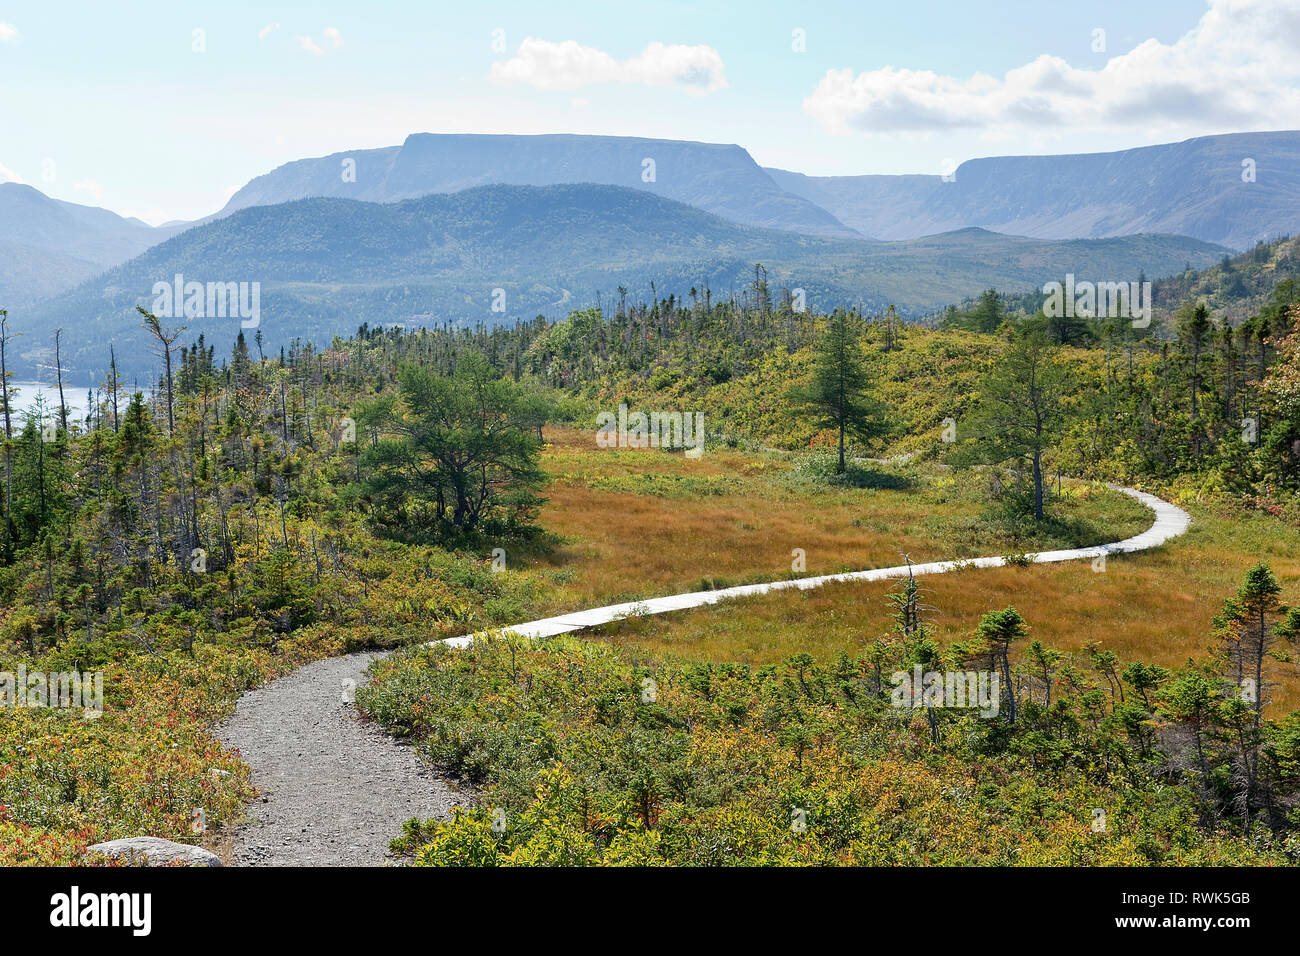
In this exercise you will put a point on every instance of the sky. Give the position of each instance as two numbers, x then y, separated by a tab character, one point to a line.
161	110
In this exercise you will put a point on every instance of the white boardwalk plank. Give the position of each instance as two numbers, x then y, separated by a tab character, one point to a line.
1170	522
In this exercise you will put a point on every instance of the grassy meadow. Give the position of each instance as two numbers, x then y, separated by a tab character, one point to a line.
641	523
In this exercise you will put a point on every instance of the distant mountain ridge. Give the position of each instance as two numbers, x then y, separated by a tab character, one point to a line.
47	245
1198	188
1194	188
721	179
327	265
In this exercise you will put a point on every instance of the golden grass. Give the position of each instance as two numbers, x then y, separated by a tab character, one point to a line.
640	524
644	523
1154	606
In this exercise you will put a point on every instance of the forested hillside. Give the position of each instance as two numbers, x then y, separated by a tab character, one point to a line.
497	254
1166	403
1235	290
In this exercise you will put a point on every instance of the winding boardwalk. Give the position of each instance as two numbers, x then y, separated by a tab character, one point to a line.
336	789
1170	522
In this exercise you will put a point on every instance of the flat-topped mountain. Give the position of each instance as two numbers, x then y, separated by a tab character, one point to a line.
1233	190
720	179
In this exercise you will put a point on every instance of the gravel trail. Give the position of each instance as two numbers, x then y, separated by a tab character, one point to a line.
335	789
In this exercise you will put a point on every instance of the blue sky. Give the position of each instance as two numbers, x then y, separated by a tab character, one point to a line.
113	104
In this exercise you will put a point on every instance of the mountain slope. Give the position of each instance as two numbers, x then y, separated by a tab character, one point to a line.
327	265
720	179
1193	188
1237	288
28	274
47	245
1263	279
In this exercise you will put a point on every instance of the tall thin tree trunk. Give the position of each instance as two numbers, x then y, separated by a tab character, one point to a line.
9	470
167	370
166	340
112	384
1038	486
58	370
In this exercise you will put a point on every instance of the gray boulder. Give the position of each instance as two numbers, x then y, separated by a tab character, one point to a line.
155	851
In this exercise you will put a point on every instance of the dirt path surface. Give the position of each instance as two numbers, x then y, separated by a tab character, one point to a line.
335	789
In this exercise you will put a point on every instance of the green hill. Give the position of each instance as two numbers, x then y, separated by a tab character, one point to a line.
324	265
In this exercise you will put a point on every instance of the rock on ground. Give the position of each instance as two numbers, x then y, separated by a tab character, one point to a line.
335	788
154	851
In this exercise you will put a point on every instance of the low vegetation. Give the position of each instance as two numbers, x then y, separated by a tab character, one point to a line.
398	487
590	756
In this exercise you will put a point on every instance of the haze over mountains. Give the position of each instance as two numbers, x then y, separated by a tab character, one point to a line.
407	231
327	265
47	244
717	178
1194	188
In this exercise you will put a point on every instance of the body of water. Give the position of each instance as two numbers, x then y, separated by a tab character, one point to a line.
23	398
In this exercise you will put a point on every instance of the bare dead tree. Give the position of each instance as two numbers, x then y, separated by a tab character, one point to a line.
166	344
113	384
9	468
58	371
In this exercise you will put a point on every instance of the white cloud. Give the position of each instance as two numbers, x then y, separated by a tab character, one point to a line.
267	30
545	65
8	31
7	175
1236	68
333	34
